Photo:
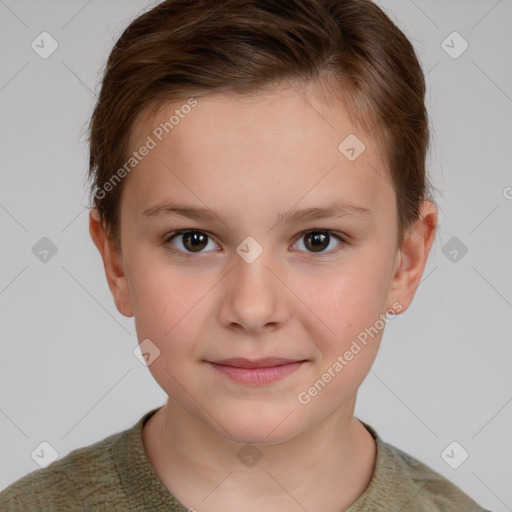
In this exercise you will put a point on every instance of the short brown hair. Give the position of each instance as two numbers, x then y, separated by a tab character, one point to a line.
183	48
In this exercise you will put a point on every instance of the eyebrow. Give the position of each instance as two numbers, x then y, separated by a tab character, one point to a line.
334	209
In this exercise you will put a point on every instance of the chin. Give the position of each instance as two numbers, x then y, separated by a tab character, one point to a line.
259	430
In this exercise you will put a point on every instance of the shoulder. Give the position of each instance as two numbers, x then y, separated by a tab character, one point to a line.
70	483
417	486
401	482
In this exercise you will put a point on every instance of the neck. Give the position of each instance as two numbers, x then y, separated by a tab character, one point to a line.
329	465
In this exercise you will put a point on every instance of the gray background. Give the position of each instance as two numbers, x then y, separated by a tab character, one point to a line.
68	375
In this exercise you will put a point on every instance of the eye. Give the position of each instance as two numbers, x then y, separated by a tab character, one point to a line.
316	241
189	242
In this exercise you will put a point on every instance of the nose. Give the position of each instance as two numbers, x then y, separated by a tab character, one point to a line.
253	297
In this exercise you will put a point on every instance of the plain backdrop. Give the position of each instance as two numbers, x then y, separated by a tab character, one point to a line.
68	374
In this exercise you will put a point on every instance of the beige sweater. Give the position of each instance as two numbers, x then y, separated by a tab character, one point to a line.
115	475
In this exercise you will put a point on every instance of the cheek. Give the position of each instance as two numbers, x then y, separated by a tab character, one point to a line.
347	334
161	300
343	304
170	307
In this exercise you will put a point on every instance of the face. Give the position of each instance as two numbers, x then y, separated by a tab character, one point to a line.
226	254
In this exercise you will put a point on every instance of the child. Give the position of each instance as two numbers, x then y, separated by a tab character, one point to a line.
260	205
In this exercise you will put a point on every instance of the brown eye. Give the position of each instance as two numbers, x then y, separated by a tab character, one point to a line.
194	240
318	241
191	241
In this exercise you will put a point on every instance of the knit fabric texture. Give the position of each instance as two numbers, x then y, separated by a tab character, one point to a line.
115	474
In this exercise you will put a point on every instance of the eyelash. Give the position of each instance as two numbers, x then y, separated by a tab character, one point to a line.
185	254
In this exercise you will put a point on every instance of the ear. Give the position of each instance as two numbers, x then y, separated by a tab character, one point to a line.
113	263
412	257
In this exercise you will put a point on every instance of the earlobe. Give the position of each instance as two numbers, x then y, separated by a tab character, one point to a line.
414	253
113	264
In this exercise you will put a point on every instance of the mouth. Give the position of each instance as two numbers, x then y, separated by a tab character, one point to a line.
268	362
258	371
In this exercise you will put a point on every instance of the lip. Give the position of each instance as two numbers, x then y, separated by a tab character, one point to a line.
267	362
256	372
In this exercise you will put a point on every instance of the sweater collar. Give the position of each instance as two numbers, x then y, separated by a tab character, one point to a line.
136	474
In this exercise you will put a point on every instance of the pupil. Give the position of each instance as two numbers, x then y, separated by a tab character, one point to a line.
317	240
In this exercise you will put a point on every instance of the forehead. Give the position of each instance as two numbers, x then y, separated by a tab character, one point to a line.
270	149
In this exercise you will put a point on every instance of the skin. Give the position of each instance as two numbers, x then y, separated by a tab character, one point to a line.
250	158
